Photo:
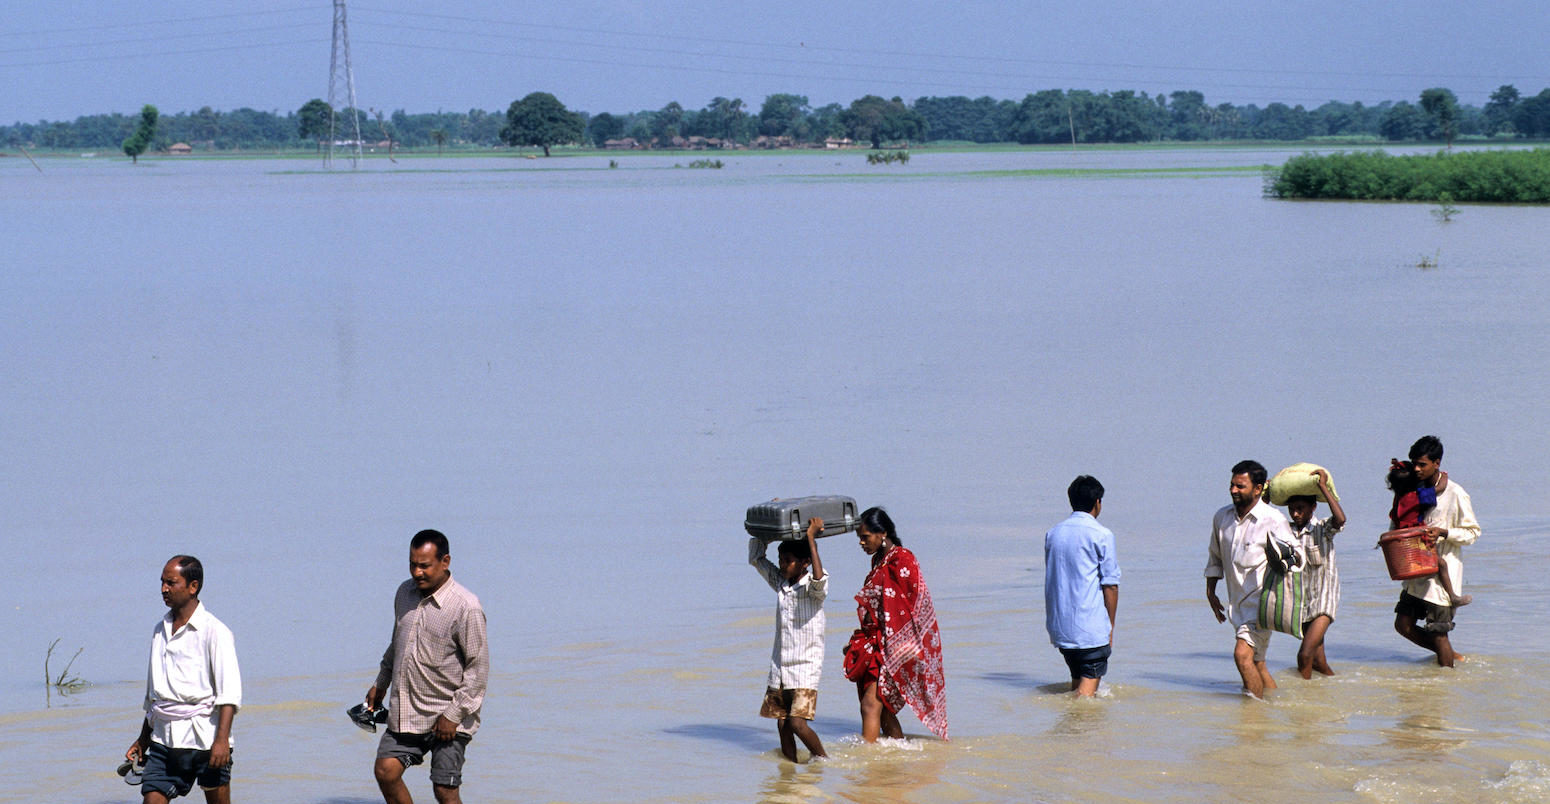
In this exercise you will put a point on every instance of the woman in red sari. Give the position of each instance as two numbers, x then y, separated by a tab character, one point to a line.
895	657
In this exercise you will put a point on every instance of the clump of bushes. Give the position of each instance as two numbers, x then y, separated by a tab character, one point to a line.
707	163
888	157
1520	176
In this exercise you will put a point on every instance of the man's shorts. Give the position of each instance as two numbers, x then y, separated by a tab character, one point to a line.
174	771
1256	637
1087	662
1439	619
446	757
781	704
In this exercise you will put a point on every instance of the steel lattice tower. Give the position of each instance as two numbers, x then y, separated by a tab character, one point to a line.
347	78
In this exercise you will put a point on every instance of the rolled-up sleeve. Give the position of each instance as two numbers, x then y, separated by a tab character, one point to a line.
1108	562
1213	554
817	588
468	698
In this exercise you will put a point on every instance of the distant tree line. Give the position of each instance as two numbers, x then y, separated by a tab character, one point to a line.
1047	116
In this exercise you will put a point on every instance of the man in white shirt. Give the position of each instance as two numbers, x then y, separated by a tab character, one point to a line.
192	692
1450	525
1239	533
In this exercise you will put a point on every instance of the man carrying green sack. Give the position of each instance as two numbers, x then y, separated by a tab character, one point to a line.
1241	534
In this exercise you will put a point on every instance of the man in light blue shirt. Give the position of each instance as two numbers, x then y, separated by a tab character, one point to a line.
1081	586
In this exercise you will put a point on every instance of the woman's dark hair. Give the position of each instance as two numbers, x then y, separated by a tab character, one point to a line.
1402	479
877	520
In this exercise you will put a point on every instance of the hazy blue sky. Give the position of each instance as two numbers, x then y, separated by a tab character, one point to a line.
64	58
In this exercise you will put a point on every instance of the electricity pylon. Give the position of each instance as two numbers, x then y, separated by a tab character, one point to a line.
347	78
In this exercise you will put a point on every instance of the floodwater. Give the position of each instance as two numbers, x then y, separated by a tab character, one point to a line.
583	375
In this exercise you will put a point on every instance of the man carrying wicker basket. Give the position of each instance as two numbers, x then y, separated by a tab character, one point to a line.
1449	526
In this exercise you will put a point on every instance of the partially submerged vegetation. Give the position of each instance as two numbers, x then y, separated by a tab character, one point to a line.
1519	176
888	157
63	681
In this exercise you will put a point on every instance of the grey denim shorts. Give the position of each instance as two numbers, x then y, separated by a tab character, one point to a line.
410	749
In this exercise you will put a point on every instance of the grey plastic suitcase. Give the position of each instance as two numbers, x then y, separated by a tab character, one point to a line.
787	518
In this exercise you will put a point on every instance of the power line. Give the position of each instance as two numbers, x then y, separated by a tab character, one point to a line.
839	78
160	38
189	51
178	20
910	54
818	65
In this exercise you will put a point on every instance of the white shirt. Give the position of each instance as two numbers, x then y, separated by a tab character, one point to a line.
796	661
1456	514
1237	553
197	665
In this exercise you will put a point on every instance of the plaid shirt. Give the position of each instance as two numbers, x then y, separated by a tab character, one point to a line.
438	662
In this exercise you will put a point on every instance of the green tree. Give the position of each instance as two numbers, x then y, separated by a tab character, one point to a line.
604	127
667	123
312	121
1188	114
1443	108
540	120
724	119
1281	122
1532	116
439	136
145	132
1041	117
1403	121
874	119
784	115
1499	111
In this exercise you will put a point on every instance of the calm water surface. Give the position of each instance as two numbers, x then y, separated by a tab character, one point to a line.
583	376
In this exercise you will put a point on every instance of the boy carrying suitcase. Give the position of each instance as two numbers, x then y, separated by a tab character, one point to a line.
796	661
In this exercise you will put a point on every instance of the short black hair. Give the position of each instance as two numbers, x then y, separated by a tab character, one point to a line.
435	537
1084	493
192	571
1428	445
796	548
1306	498
1253	469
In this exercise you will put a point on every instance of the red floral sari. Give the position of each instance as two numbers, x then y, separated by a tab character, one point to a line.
898	643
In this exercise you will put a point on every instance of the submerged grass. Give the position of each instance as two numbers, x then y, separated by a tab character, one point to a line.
1515	176
1052	173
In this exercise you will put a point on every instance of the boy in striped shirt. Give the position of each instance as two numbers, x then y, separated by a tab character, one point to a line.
796	661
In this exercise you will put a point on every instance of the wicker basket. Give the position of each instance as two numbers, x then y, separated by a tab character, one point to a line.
1407	556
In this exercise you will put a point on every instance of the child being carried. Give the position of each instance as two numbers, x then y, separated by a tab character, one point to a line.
1412	502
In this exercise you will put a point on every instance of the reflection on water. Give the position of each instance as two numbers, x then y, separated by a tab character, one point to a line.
791	784
890	770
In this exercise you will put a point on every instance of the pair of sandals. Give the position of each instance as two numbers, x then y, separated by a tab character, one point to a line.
133	770
366	718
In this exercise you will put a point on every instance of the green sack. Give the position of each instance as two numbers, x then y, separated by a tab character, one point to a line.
1296	480
1280	601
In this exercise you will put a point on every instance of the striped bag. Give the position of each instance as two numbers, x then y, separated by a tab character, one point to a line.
1280	601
